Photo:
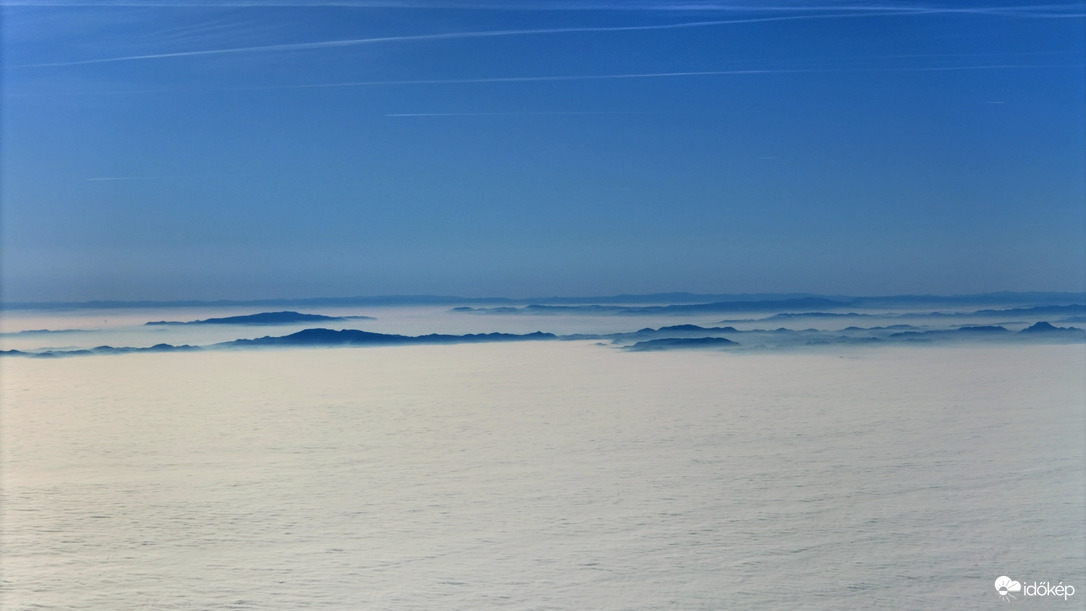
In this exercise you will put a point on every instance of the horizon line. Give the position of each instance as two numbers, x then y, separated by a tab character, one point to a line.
435	299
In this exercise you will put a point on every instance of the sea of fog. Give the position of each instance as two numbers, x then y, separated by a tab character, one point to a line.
532	475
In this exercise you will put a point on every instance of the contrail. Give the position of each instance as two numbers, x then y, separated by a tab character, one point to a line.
651	75
332	44
582	77
531	79
1027	10
852	12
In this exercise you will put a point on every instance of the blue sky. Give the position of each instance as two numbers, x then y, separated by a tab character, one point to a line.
207	150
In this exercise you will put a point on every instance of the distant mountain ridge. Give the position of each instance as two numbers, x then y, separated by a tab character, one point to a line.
693	308
1006	298
800	306
673	337
679	343
354	337
263	318
304	338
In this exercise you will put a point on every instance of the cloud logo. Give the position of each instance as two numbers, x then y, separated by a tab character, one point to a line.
1005	585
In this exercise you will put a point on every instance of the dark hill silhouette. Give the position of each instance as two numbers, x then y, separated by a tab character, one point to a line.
672	331
103	350
787	315
1076	308
982	329
43	332
263	318
1046	328
354	337
304	338
674	343
972	330
683	330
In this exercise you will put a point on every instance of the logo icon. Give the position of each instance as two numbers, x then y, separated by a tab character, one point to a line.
1005	585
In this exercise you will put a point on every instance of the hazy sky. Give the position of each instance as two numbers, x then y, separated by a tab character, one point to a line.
244	149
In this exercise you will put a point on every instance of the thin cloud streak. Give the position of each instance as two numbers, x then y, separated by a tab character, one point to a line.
331	44
1027	10
650	75
530	79
854	12
567	78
